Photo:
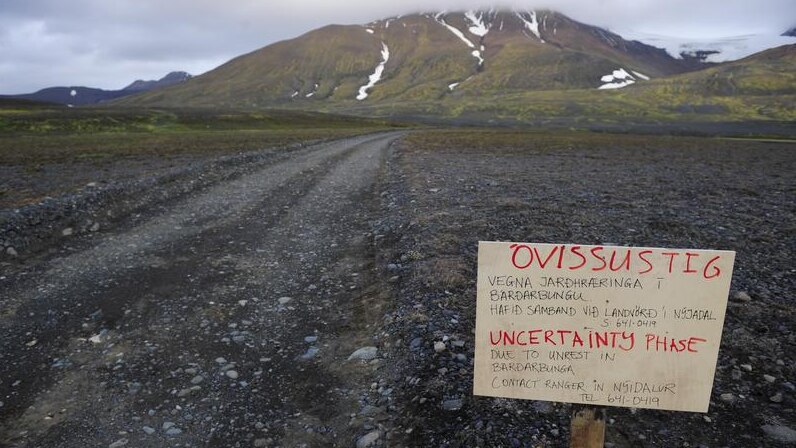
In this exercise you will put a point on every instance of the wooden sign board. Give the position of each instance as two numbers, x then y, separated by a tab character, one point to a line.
600	325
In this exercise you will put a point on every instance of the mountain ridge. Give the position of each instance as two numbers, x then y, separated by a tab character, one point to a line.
523	65
80	95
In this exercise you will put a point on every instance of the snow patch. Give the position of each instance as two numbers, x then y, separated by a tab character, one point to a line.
532	24
369	31
620	78
295	94
314	91
476	53
376	76
455	31
726	48
452	86
641	75
478	27
73	93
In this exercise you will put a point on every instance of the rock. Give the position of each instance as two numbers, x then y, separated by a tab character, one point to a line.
746	367
727	398
776	398
94	227
197	379
769	378
311	339
118	444
174	431
11	251
781	433
188	391
233	374
284	300
453	405
368	439
364	353
416	343
221	360
67	231
742	296
310	353
439	347
149	430
259	443
167	425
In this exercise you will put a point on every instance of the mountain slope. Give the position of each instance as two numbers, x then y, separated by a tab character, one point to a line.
168	80
429	56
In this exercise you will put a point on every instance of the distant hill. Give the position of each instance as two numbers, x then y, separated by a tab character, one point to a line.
791	32
80	96
168	80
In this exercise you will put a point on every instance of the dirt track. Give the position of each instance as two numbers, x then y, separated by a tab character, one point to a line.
229	316
226	316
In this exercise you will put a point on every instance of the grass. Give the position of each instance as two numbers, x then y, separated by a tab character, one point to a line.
59	135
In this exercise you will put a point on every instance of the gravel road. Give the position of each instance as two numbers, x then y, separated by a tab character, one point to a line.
324	296
225	320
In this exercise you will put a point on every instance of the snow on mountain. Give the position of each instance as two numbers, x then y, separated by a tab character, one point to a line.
531	22
479	28
617	79
476	52
710	50
376	76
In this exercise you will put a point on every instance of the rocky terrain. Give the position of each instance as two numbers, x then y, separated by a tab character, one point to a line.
324	296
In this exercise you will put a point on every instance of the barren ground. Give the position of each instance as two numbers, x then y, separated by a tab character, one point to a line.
224	315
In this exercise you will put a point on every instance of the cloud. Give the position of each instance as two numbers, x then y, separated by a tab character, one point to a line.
110	44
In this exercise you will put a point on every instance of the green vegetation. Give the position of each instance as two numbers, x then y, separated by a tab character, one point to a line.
35	135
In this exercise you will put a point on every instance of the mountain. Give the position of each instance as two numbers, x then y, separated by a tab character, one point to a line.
168	80
489	66
80	96
724	49
426	56
790	33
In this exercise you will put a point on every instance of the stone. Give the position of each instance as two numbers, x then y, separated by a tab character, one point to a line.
233	374
119	443
746	367
188	391
174	431
368	439
776	398
364	353
11	251
439	347
453	405
94	227
167	425
259	443
221	360
149	430
742	296
310	353
781	433
310	339
769	378
197	379
67	231
727	398
284	300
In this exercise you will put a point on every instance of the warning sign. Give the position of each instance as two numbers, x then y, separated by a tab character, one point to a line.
603	325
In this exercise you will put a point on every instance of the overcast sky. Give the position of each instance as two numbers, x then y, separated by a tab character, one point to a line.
110	43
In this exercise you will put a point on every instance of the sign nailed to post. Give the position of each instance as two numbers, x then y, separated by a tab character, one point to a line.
601	325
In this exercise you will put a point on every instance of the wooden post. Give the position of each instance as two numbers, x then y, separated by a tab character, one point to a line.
588	427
